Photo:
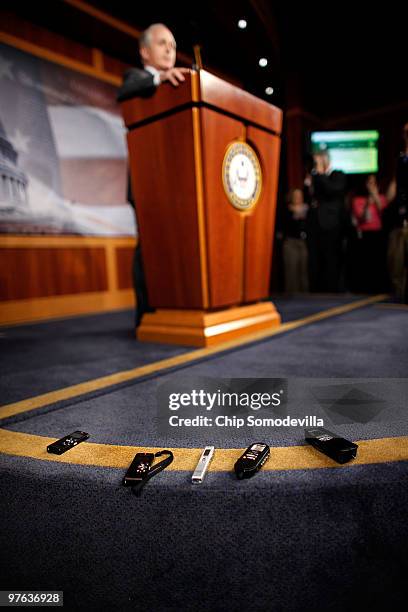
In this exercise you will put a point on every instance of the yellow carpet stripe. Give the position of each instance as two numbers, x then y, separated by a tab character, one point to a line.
393	306
113	379
282	458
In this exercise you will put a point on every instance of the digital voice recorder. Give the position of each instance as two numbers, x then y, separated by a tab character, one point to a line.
252	460
67	442
203	465
138	469
331	444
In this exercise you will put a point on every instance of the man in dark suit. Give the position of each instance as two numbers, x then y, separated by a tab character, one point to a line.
328	224
157	48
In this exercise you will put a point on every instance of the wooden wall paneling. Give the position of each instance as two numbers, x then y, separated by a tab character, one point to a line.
124	267
32	273
114	66
29	32
260	223
166	210
49	276
58	49
58	58
224	222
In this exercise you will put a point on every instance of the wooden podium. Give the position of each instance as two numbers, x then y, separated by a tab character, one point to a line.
207	259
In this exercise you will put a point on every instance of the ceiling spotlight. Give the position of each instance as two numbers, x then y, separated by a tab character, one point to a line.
242	24
269	91
263	62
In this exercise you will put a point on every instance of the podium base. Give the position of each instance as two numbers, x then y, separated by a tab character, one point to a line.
202	328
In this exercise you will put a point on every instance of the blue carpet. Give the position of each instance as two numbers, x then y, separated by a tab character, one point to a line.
369	342
36	359
129	416
322	540
39	358
292	307
313	540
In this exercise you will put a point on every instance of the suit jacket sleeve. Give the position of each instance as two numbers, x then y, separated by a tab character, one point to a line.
328	187
136	83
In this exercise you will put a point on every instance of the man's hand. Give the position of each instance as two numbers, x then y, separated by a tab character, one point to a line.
174	75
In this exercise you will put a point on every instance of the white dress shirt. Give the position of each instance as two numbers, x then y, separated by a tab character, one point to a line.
155	73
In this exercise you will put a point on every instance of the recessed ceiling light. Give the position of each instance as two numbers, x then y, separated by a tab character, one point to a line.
269	91
263	62
242	24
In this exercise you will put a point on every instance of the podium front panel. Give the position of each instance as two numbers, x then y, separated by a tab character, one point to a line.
164	189
260	223
224	224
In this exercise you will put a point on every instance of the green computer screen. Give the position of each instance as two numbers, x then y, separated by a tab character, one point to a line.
354	152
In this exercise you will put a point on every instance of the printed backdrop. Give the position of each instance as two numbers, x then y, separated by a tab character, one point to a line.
63	158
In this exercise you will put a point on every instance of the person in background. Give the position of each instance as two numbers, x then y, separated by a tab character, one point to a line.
327	224
295	255
369	257
397	222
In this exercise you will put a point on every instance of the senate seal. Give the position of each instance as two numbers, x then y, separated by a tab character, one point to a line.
241	175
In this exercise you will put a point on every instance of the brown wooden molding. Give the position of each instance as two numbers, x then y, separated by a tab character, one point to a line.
40	309
58	241
118	24
58	58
